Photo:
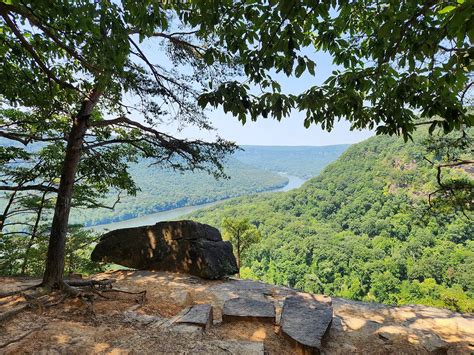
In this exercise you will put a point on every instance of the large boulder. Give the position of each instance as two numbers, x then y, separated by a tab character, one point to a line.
179	246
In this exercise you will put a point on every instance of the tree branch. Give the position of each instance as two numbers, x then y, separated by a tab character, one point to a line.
26	45
29	188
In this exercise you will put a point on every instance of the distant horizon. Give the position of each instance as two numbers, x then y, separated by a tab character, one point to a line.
295	146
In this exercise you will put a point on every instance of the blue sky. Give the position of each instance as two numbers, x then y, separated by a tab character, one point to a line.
290	131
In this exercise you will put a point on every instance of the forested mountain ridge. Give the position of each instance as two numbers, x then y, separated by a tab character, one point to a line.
363	230
250	170
165	189
302	161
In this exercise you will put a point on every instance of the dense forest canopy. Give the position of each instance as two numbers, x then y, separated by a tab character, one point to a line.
364	229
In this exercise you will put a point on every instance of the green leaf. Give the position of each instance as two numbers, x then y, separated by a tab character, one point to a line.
447	9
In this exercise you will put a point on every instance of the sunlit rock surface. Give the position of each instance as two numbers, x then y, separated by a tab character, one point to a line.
180	246
164	323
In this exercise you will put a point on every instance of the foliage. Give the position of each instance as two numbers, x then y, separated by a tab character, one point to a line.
16	248
242	234
364	230
395	60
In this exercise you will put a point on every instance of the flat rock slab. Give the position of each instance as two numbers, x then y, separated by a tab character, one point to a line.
305	321
240	308
199	314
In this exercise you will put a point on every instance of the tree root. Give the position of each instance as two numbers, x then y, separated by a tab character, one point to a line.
84	283
86	290
21	337
18	292
8	314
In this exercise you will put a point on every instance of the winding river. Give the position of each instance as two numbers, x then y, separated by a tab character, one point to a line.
293	183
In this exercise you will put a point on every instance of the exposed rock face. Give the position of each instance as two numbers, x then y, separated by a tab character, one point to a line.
305	321
164	324
180	246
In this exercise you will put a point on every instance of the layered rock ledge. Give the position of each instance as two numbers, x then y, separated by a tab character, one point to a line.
179	310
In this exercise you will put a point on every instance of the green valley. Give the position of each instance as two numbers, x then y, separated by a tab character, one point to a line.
363	230
250	170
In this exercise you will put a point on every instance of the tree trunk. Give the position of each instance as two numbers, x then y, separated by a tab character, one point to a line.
3	217
238	254
33	233
53	274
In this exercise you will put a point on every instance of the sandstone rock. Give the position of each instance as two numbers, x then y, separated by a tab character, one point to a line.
248	309
180	246
199	314
305	321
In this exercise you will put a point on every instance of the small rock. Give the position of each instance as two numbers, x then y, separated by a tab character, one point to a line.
181	297
305	321
199	314
240	308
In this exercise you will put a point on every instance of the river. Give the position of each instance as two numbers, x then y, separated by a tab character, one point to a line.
293	183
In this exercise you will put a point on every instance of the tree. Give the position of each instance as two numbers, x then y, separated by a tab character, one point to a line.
242	234
86	69
81	62
396	60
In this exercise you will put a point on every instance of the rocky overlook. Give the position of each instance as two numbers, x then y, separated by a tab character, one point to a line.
185	314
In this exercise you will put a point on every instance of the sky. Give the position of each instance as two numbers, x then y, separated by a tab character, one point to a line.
288	132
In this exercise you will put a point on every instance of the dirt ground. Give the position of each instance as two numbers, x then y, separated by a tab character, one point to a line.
128	324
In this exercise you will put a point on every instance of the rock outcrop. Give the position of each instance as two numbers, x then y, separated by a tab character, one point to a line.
196	323
180	246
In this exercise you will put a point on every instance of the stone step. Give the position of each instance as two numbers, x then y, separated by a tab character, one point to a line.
305	321
237	309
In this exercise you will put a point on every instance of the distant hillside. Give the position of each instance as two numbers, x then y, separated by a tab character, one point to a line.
251	170
163	189
304	162
361	230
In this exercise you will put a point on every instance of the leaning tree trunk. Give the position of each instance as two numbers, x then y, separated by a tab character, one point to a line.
53	274
3	216
34	233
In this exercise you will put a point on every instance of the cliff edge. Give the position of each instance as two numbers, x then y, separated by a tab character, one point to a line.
185	314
